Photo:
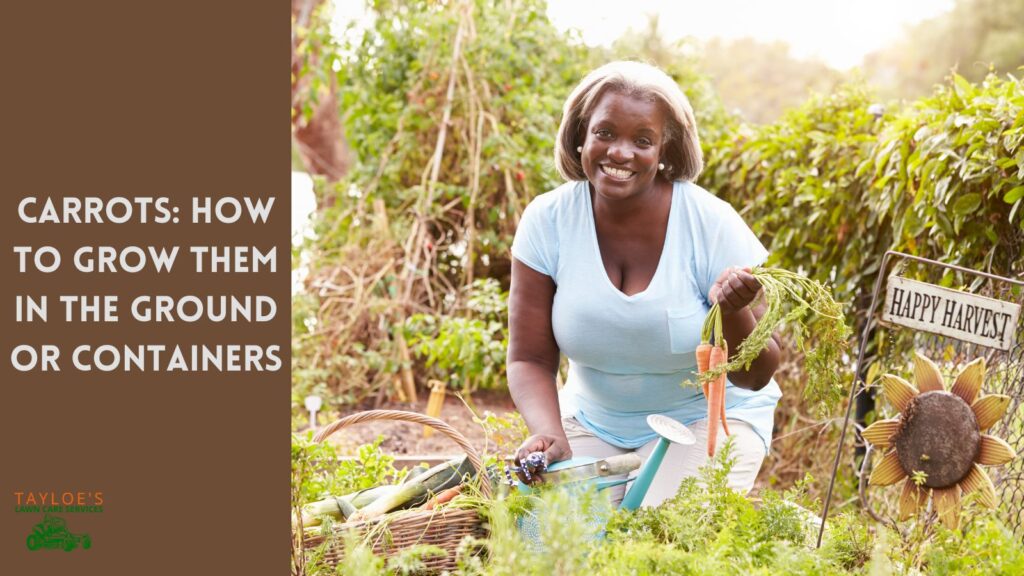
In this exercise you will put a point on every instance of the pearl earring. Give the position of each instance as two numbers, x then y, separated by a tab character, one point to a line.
661	165
579	149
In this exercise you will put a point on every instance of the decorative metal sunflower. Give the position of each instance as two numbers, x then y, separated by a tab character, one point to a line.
938	439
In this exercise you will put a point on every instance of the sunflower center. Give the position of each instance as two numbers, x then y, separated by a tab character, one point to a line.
938	436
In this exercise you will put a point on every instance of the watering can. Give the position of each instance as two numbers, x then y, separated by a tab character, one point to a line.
580	472
586	469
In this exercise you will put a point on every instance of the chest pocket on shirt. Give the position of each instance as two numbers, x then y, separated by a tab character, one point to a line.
684	326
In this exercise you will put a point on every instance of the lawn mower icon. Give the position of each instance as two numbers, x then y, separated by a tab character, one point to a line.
53	532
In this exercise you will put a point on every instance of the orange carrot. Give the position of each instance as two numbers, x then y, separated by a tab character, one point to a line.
716	398
442	497
704	361
703	357
725	425
721	393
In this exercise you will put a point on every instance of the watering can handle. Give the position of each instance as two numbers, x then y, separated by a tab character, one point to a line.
621	464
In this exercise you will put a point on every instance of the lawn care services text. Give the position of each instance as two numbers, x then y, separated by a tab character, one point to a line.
84	293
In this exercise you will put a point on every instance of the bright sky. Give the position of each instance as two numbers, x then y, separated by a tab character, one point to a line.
840	32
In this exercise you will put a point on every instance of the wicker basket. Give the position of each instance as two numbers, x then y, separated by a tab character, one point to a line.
444	528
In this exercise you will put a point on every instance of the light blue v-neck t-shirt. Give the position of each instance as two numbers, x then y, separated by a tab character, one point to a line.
628	355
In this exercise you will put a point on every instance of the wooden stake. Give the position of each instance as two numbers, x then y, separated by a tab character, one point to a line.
399	392
434	404
380	221
407	378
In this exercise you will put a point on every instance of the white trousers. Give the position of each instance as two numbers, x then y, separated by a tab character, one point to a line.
680	461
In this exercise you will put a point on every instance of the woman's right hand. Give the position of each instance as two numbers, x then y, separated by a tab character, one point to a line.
555	448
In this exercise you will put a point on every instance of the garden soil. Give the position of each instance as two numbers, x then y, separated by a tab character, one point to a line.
406	438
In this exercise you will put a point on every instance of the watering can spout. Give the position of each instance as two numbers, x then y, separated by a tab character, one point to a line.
669	431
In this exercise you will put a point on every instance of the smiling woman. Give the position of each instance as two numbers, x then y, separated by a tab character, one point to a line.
617	269
622	148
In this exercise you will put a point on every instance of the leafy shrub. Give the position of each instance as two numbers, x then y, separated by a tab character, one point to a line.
987	547
406	234
849	543
794	181
719	529
706	528
369	468
950	171
838	181
468	351
309	478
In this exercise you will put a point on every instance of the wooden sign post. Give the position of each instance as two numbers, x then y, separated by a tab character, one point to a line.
952	313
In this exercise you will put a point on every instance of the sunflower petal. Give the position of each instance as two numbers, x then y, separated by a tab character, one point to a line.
926	375
947	504
912	499
968	381
880	433
994	451
978	481
889	471
989	409
898	391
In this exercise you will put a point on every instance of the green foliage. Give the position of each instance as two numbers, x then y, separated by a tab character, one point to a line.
317	472
503	434
393	241
718	529
370	468
360	559
849	543
568	525
410	560
315	53
814	320
795	183
308	482
706	528
469	352
985	548
832	185
514	65
950	170
309	479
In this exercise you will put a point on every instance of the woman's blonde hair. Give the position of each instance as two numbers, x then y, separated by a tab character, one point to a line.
682	156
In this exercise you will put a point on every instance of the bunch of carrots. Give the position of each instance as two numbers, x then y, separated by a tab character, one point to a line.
798	302
712	355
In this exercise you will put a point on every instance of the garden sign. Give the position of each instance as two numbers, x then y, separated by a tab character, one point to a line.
961	315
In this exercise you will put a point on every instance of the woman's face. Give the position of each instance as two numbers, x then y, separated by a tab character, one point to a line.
623	145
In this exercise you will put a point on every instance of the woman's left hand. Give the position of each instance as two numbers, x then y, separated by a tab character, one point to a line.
734	289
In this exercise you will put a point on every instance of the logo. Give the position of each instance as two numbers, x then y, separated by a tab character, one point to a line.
52	531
